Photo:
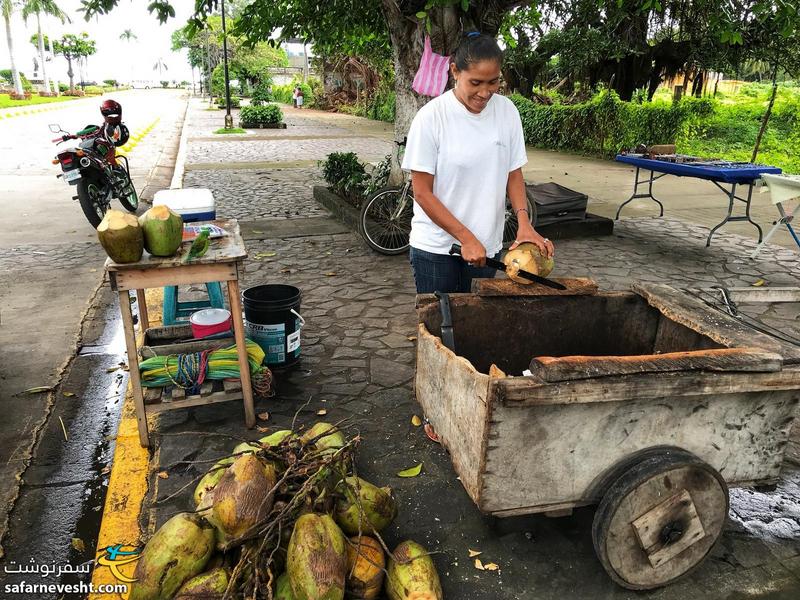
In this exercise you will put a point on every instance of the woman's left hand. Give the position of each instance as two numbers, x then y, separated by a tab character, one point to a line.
526	233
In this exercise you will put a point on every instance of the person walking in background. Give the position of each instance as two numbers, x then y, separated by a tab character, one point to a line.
299	97
294	96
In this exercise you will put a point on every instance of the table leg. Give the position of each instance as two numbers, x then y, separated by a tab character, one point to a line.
133	366
244	365
731	198
141	303
747	211
636	195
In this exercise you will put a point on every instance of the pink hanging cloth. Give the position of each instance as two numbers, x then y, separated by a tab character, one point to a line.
431	77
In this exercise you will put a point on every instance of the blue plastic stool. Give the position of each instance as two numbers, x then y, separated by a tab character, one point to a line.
174	310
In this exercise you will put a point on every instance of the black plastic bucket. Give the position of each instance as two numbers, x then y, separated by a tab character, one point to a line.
273	321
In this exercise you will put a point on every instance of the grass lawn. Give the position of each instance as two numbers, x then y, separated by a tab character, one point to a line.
7	102
224	131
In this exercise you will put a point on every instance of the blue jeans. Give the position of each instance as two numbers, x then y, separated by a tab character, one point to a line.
444	273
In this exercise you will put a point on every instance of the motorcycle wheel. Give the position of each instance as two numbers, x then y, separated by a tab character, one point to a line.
128	196
91	195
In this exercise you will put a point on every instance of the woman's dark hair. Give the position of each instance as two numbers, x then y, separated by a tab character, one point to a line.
474	48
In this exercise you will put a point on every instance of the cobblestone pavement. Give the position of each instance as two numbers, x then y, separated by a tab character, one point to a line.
251	194
279	150
357	362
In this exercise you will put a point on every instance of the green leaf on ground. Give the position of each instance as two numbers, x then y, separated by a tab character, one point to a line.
411	472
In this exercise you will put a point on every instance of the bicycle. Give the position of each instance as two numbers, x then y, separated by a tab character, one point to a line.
385	219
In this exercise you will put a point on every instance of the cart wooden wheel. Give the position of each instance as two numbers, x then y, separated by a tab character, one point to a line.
659	519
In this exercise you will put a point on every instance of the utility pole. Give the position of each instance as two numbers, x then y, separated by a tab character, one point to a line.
228	117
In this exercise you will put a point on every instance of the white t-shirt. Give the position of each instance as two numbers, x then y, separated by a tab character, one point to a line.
470	156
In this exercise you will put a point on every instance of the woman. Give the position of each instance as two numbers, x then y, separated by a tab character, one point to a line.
465	152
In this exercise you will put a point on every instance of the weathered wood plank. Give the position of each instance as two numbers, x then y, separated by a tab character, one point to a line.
190	401
186	347
453	396
567	368
132	279
696	315
555	455
508	287
528	391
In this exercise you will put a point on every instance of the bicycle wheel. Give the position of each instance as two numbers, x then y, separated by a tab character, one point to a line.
385	220
511	224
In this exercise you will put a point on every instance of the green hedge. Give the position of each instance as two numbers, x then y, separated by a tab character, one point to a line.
253	115
602	125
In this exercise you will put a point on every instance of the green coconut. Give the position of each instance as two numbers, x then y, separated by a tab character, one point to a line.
242	498
275	439
163	230
411	574
283	588
178	551
330	438
252	447
316	562
121	237
364	507
211	479
210	585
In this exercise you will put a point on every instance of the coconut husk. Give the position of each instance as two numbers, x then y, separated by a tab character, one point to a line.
121	237
365	564
178	551
316	562
210	585
324	436
283	588
411	574
211	479
363	507
242	498
527	257
275	439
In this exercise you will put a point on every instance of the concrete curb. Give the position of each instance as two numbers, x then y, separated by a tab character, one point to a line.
180	160
340	208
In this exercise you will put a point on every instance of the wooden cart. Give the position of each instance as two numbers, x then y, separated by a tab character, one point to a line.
649	403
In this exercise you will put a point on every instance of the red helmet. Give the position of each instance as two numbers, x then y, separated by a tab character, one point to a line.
112	112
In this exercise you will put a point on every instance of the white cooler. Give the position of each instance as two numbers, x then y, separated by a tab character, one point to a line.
192	204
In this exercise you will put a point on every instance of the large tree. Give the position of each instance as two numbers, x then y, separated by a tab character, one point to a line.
74	48
38	8
7	7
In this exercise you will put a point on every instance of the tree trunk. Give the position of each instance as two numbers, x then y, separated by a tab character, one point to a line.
14	73
407	36
55	78
41	53
767	114
70	73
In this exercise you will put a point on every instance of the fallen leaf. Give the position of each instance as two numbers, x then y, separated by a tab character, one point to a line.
39	389
106	470
286	270
68	394
412	338
92	270
112	369
257	231
474	553
263	416
261	255
758	283
78	544
330	274
262	429
322	412
479	564
411	472
491	566
416	421
163	475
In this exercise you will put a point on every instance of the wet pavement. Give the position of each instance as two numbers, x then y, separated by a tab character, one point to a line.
358	365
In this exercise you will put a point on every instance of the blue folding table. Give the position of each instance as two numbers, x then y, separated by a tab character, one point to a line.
717	172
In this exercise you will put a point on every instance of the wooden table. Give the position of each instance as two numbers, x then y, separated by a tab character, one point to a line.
222	262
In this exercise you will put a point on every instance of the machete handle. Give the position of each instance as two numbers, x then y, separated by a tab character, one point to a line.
455	249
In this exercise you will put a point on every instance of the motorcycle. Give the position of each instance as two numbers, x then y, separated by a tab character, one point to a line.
95	169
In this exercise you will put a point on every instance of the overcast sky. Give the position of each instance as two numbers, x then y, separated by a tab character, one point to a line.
115	59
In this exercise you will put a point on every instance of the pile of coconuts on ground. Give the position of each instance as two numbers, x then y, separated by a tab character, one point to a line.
285	518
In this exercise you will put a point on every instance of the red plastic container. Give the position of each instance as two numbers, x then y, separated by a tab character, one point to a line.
210	321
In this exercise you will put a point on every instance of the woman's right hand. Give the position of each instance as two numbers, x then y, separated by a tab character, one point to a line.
473	252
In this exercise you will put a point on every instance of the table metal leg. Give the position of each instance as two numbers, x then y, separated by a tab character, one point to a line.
244	365
133	367
141	304
747	211
649	195
732	197
786	219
